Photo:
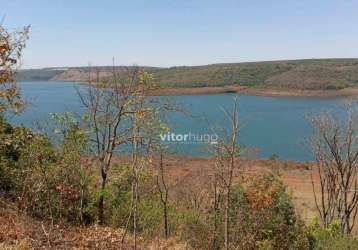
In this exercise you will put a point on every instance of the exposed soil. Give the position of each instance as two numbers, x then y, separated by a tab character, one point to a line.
185	173
193	174
199	91
346	92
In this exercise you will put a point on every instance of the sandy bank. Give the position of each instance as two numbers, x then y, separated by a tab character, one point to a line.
255	91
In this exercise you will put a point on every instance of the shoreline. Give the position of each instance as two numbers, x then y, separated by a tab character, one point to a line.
346	92
171	91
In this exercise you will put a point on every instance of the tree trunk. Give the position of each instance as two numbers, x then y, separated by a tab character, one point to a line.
166	221
135	211
101	198
227	202
216	208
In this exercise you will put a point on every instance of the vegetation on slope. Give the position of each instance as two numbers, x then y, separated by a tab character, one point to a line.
309	74
38	74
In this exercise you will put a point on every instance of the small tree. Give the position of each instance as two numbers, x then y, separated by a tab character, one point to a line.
226	165
111	110
335	147
74	170
11	139
163	190
147	126
11	46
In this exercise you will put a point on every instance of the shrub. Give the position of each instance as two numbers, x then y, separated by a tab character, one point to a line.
150	212
330	237
262	216
12	142
195	230
46	181
267	218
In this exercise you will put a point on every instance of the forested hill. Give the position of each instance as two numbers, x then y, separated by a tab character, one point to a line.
310	74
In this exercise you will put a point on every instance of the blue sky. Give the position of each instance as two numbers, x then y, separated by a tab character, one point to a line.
182	32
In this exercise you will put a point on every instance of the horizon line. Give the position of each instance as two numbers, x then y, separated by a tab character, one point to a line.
185	65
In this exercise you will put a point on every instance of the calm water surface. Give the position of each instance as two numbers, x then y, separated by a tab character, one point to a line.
273	125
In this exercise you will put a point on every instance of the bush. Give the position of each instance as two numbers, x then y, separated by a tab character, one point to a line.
12	142
265	217
150	210
196	230
262	216
46	181
330	237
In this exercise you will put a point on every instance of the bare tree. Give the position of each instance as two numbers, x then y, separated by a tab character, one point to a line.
163	190
217	199
226	165
139	144
110	116
121	112
335	147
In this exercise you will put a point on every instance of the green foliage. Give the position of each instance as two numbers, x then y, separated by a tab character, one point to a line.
47	181
294	74
12	141
265	217
195	230
330	237
59	183
262	216
119	197
75	177
11	46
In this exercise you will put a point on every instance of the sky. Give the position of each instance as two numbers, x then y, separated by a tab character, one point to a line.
181	32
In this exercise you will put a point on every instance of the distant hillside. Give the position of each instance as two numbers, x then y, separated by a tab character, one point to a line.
38	74
309	74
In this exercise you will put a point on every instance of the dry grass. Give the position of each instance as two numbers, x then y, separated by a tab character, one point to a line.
195	172
186	174
21	232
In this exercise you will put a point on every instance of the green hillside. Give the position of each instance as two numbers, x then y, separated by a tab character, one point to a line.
38	74
302	74
291	74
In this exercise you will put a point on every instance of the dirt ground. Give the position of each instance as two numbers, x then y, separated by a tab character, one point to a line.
184	173
187	171
346	92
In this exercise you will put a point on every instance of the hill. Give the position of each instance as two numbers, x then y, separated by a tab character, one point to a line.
308	74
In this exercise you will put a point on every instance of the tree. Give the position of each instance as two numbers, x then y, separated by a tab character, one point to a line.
11	139
112	112
335	147
216	205
227	151
11	46
147	126
74	171
163	189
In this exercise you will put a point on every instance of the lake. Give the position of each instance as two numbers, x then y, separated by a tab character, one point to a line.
273	125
